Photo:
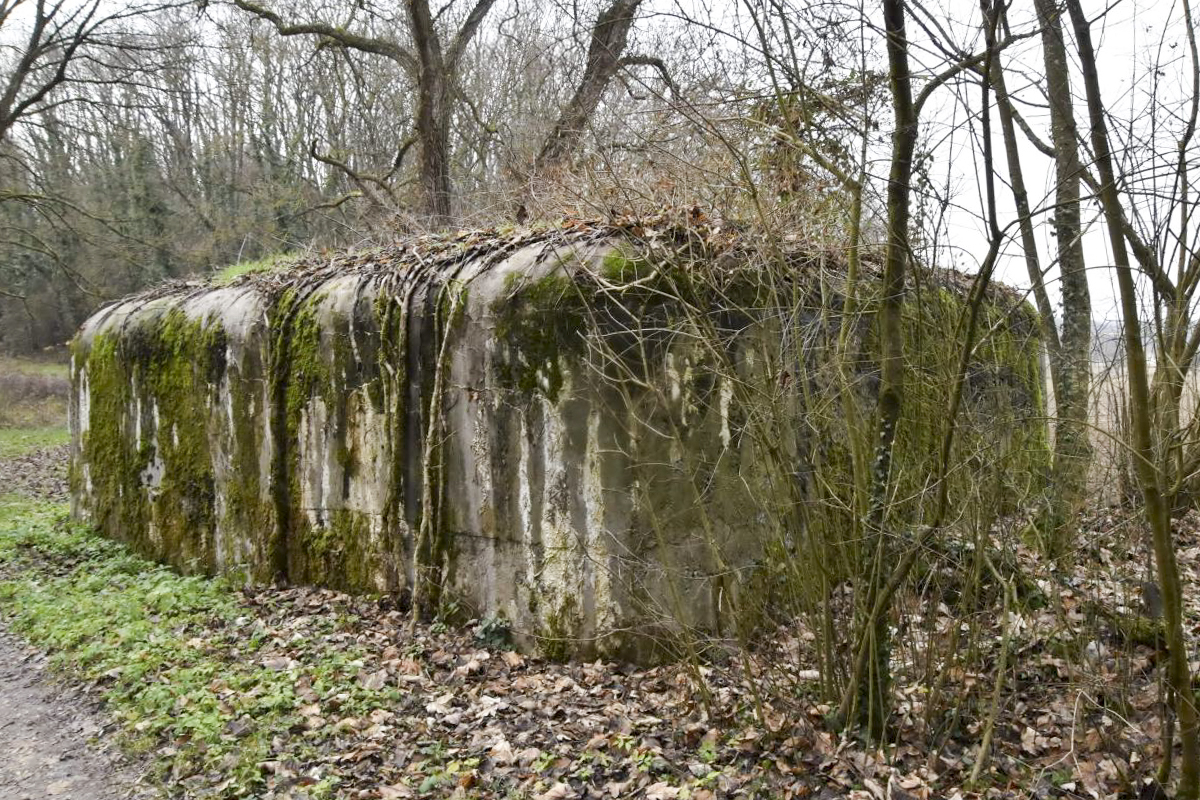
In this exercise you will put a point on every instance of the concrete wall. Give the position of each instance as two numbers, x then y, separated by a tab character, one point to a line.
558	429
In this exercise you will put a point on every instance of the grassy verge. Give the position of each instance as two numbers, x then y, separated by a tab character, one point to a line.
53	366
33	404
20	441
305	693
265	264
193	680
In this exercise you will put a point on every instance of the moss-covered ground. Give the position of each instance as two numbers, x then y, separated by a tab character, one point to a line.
269	263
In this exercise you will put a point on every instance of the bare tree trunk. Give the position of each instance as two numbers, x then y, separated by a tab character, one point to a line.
433	114
1158	515
435	71
871	707
1016	177
610	35
1072	450
1176	349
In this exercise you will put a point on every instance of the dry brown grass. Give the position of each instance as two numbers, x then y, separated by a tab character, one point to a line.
1111	477
33	394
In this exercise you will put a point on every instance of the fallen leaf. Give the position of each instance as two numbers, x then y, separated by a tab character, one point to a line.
559	791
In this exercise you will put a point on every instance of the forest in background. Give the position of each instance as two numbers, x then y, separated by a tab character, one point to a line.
146	142
179	137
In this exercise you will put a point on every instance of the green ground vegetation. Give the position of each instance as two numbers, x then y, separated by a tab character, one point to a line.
187	674
52	365
275	261
20	441
286	693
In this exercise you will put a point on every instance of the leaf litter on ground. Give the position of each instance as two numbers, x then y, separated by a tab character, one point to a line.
306	693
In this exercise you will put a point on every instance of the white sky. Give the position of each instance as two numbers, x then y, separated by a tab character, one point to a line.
1127	42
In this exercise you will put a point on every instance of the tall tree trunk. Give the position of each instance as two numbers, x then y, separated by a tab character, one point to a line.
610	35
434	70
1158	515
1072	450
872	705
433	114
1016	177
1176	348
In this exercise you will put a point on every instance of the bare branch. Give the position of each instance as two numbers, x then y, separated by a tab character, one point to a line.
367	44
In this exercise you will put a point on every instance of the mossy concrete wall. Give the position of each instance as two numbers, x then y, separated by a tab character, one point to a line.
566	430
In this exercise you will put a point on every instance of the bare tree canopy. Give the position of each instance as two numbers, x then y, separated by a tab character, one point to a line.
147	142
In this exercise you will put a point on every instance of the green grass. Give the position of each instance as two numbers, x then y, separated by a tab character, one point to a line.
175	656
56	366
20	441
265	264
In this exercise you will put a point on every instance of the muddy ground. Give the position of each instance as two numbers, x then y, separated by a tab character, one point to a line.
52	738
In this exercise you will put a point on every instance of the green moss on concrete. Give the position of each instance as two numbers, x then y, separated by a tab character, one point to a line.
623	266
303	372
327	546
391	390
541	324
187	361
1000	428
339	554
175	363
558	639
249	522
113	462
631	302
704	465
268	263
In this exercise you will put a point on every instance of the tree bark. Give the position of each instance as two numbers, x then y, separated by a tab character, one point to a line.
433	114
872	704
1158	515
610	35
1072	449
1016	177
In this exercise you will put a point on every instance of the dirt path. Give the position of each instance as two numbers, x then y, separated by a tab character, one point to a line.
43	737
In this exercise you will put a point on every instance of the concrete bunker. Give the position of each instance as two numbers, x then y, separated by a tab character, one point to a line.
602	435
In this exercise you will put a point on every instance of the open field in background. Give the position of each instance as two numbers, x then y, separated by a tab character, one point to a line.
1108	411
33	404
33	426
1111	474
16	442
54	365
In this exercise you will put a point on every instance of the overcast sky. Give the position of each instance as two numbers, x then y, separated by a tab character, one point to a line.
1131	38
